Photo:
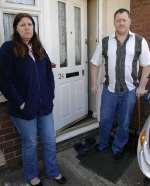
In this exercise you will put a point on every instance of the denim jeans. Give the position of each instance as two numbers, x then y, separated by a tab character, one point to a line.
29	130
120	104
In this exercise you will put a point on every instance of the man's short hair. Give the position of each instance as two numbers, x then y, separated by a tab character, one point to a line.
121	10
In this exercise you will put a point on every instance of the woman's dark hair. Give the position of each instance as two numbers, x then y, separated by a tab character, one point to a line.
121	10
20	48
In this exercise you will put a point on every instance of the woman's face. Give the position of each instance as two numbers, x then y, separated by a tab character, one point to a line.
25	29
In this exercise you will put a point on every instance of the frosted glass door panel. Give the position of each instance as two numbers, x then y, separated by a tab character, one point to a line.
62	34
77	22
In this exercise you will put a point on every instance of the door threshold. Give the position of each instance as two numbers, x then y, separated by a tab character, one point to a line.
84	121
73	132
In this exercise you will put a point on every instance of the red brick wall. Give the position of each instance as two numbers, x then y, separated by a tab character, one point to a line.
140	15
9	139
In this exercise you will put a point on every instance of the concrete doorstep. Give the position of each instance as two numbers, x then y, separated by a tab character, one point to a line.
2	159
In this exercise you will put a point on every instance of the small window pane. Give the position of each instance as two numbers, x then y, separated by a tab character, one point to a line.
25	2
77	13
62	34
8	25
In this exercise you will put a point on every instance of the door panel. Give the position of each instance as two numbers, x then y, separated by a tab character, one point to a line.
71	95
77	28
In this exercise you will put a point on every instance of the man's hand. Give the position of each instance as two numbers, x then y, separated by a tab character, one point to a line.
94	90
140	91
143	81
94	73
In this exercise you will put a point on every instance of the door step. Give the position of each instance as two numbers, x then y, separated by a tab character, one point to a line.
79	128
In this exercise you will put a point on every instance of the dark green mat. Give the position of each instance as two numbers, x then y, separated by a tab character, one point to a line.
105	165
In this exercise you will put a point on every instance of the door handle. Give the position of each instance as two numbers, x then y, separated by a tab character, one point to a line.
83	72
53	65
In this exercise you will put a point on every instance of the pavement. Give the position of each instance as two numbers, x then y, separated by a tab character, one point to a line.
76	174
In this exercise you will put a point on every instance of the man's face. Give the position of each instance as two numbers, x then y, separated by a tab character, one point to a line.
122	23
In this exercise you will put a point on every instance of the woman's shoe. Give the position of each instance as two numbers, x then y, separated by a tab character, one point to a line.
39	184
62	180
36	182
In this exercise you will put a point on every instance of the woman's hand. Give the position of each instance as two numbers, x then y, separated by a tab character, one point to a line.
22	106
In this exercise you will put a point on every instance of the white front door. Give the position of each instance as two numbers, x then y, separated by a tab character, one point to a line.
69	28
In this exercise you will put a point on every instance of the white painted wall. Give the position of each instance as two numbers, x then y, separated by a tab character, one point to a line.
111	6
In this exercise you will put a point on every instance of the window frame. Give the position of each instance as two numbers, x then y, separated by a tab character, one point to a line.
7	1
18	6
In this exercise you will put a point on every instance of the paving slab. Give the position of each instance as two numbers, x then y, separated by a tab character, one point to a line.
76	174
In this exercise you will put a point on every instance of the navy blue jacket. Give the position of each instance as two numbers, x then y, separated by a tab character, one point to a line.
26	80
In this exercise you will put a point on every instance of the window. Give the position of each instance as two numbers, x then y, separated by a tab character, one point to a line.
62	34
8	25
77	22
25	2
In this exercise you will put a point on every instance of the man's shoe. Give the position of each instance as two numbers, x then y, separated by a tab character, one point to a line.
104	150
118	155
61	180
146	181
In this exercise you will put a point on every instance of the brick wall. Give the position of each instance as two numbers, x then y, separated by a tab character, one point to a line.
140	14
9	139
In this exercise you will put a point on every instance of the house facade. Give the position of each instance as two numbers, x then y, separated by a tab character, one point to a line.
69	31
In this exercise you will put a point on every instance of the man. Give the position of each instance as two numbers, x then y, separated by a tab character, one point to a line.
122	52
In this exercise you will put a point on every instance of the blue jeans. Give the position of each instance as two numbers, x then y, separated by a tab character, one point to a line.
29	130
120	104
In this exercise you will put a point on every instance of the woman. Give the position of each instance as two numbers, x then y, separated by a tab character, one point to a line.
28	84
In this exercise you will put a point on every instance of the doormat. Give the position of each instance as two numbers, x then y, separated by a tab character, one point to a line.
103	164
